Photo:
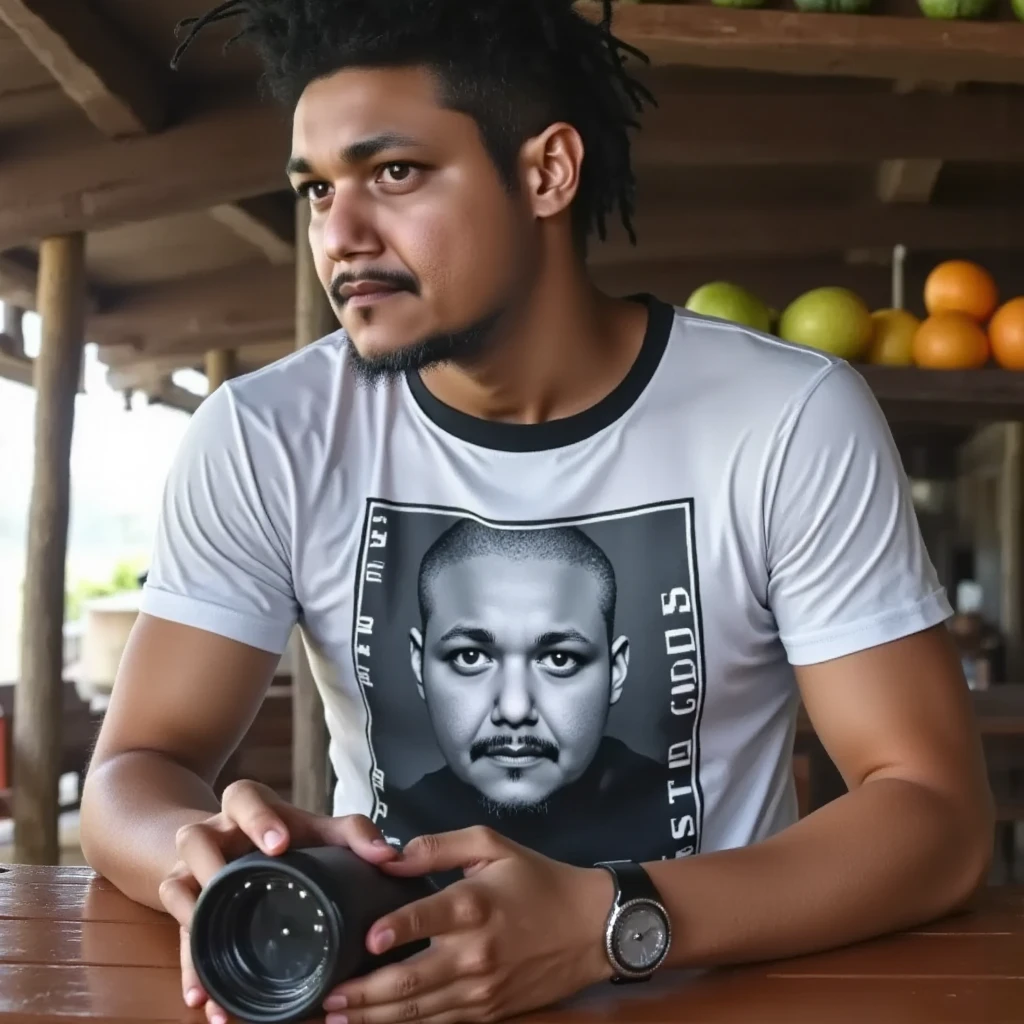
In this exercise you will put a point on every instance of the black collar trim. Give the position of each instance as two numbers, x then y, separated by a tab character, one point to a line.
536	437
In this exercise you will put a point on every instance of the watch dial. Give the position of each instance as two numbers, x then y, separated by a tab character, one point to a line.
640	937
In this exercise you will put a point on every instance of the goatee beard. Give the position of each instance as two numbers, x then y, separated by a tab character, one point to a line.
463	346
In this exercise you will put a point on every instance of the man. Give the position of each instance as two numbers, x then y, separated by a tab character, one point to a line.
518	663
457	157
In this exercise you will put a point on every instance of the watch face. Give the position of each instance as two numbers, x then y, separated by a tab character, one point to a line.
640	937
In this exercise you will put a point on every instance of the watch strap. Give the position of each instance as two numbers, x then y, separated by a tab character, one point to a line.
631	881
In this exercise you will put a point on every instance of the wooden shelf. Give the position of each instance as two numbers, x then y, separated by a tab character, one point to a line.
947	396
861	45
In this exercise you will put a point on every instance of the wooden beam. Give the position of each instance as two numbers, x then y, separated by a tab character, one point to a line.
690	128
15	366
314	318
217	157
912	179
174	397
909	394
38	699
17	283
103	74
693	232
19	279
862	46
244	305
267	223
13	330
213	157
123	360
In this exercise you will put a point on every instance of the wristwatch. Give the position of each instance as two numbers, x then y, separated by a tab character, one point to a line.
638	931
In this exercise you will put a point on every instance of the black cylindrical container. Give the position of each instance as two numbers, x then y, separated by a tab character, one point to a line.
272	936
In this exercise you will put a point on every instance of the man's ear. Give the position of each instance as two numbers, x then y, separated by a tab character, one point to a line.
416	657
620	666
551	163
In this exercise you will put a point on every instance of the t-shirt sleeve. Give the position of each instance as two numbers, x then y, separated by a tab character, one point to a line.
221	555
847	564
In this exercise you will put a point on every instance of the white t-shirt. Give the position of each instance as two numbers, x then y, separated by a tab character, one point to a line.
579	632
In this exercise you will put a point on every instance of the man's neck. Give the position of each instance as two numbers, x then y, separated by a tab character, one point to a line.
564	350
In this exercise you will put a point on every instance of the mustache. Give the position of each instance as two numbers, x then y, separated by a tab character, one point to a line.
400	280
509	746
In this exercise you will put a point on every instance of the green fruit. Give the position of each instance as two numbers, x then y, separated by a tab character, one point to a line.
833	6
728	301
965	9
833	320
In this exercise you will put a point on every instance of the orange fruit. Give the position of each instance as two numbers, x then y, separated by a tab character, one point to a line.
959	286
1006	334
951	341
893	341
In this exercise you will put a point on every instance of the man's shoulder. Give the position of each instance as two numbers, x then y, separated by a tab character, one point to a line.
296	377
732	353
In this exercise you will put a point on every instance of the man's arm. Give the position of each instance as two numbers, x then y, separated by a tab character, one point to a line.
911	841
217	610
183	700
859	612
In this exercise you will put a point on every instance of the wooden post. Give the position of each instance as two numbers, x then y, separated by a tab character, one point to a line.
314	318
39	696
221	365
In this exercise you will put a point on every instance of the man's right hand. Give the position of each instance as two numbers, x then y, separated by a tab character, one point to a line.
252	817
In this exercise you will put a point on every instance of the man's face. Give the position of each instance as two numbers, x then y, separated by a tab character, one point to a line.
413	232
517	674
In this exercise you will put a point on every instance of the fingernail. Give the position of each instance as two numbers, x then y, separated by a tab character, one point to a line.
219	1018
335	1003
271	837
336	1018
193	997
384	940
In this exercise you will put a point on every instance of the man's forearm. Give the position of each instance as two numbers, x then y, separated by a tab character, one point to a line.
132	807
886	856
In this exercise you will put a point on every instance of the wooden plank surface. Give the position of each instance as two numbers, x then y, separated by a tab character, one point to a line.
863	46
72	948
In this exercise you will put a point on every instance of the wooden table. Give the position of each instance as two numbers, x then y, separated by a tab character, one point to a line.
73	948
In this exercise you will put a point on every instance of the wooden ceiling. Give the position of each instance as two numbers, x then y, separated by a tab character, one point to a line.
788	150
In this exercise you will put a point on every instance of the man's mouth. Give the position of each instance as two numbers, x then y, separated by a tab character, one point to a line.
366	294
511	754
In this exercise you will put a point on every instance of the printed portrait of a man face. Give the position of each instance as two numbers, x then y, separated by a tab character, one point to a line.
516	658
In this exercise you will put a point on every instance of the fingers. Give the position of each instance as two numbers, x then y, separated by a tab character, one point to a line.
462	999
459	907
179	892
432	969
257	811
357	832
191	988
465	848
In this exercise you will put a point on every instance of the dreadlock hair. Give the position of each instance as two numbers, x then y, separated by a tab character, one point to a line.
514	66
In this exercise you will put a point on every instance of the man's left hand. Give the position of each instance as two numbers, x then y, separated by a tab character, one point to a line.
518	932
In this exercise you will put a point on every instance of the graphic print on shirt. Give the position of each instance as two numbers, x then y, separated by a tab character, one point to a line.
542	678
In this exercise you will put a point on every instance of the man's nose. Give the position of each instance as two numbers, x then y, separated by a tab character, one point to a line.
349	233
513	704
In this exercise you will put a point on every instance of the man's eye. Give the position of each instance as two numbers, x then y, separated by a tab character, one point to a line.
560	662
313	189
397	173
470	660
